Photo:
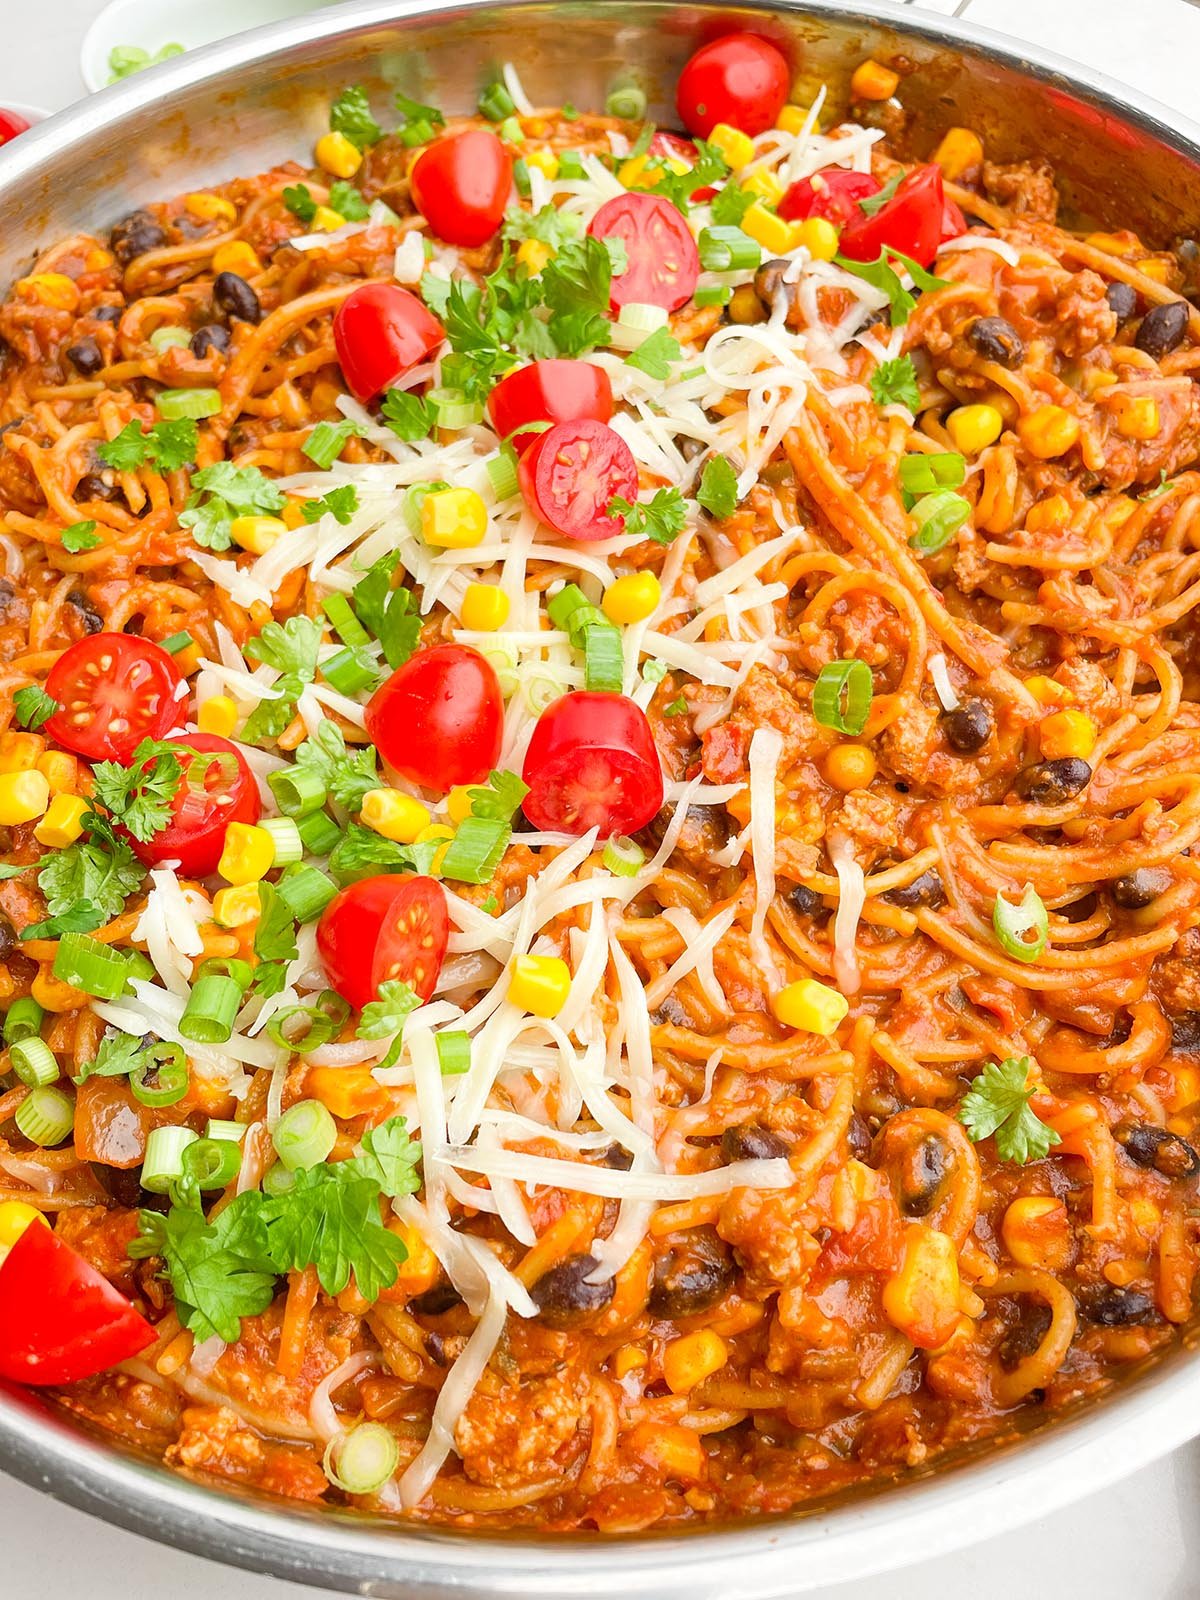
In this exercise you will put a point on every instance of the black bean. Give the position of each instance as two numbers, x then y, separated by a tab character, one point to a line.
969	726
921	1176
995	339
1025	1334
8	937
92	621
1122	301
670	1012
769	285
1049	783
564	1297
748	1141
1079	910
1113	1307
1185	1032
86	356
806	901
236	298
858	1136
691	1275
433	1302
926	890
135	234
108	313
617	1157
98	486
1138	889
7	595
212	337
1162	329
1157	1148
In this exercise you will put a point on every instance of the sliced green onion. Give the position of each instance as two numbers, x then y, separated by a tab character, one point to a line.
86	964
627	101
603	659
728	250
213	1163
162	1077
623	856
363	1460
503	658
540	685
510	130
350	671
415	133
452	409
218	1128
343	620
33	1062
23	1020
842	696
278	1180
169	338
635	324
217	992
163	1161
175	403
939	516
289	846
304	1028
1024	928
454	1052
561	607
177	642
297	790
521	178
474	852
139	966
304	1135
45	1116
570	165
495	103
502	474
319	832
414	499
713	294
306	891
922	474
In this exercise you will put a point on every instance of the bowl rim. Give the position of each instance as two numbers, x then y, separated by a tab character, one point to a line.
1142	1421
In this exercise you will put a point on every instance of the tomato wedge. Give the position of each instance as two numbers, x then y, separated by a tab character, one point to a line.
225	792
833	193
60	1319
11	124
438	720
739	79
548	391
663	262
910	222
461	185
592	763
115	690
393	927
380	332
571	474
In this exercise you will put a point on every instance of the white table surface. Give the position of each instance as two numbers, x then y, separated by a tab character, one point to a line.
1139	1541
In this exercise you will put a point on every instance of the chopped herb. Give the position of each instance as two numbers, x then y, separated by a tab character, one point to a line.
709	168
117	1056
98	870
34	706
346	200
998	1103
328	439
346	774
292	651
350	114
718	488
662	518
549	226
81	918
222	492
340	504
139	796
166	446
384	1018
882	275
677	708
490	906
730	204
655	354
876	202
297	197
80	536
409	416
895	382
500	798
1163	486
389	613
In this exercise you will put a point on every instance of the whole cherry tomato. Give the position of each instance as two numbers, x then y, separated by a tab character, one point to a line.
380	332
115	690
910	222
203	806
461	185
438	719
60	1319
592	763
548	391
662	260
11	124
385	929
740	79
833	193
571	474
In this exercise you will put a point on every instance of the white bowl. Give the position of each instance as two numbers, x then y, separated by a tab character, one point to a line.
191	23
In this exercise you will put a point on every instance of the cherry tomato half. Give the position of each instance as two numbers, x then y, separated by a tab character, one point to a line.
833	193
662	260
548	391
225	792
911	221
461	185
11	124
592	763
570	475
438	719
393	927
60	1319
381	332
739	79
115	690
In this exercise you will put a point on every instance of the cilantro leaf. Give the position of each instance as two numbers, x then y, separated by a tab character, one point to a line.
709	168
390	1158
340	504
34	706
80	536
220	493
550	226
82	917
655	354
662	518
166	446
292	650
328	439
350	114
346	774
997	1103
118	1055
500	798
575	288
718	488
346	200
677	708
275	935
389	613
876	202
219	1271
361	851
414	111
91	871
896	382
139	796
881	275
297	197
409	416
333	1224
1163	486
384	1018
730	204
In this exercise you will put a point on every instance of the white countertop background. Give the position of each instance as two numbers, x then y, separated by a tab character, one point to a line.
1139	1541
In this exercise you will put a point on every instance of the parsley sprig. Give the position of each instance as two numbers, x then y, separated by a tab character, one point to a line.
997	1105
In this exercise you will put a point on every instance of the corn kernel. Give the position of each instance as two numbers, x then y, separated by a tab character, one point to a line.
485	607
1137	416
453	519
98	259
458	802
257	534
338	155
533	255
24	796
737	147
690	1359
15	1217
63	822
394	814
873	81
218	715
792	120
1114	244
1067	733
1157	267
61	770
632	598
238	257
1036	1231
248	855
770	231
419	1270
291	515
672	1450
435	830
1045	691
1048	432
210	208
811	1006
638	172
20	751
921	1297
327	220
973	428
818	236
850	766
544	159
960	150
629	1358
237	907
1095	379
51	289
1050	515
539	984
768	186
